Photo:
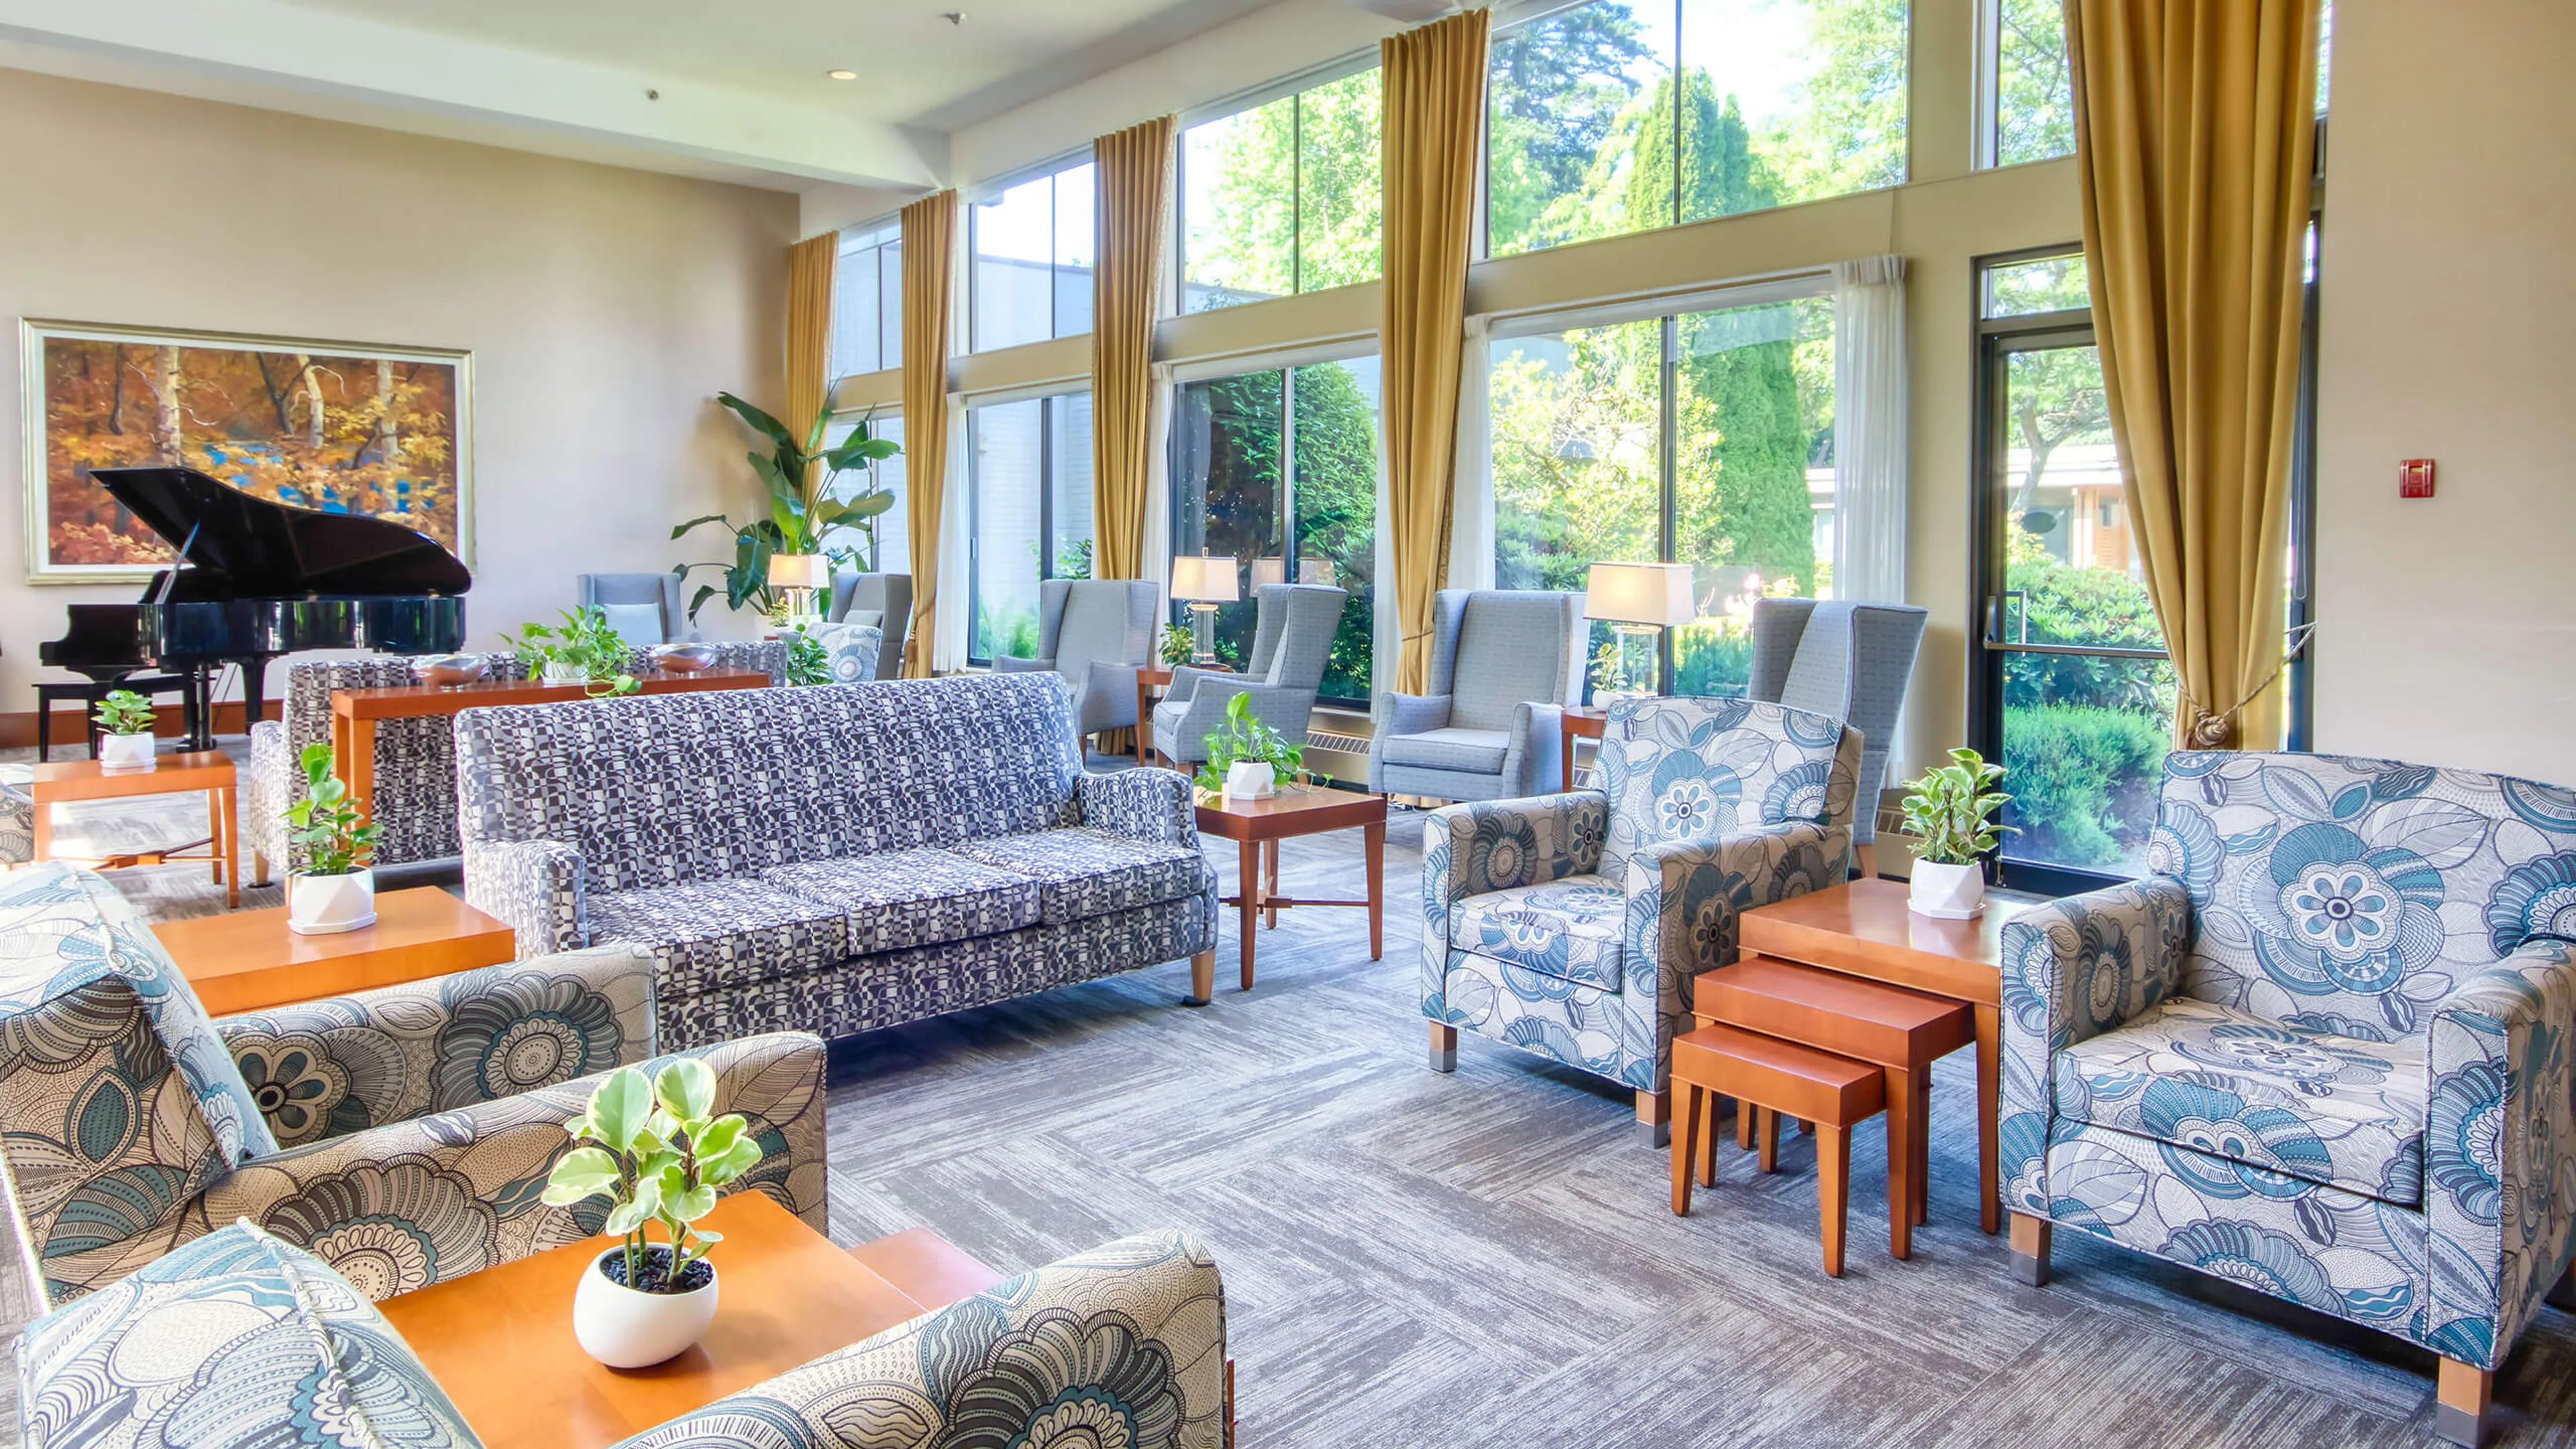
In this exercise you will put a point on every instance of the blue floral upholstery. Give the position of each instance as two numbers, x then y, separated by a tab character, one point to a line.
2322	1049
17	814
1573	925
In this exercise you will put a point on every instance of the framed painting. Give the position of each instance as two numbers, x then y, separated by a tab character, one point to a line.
339	426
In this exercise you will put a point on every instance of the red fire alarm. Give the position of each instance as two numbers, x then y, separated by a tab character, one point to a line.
2415	478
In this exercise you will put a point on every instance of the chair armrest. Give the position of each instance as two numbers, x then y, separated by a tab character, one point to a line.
1108	696
1400	714
1138	1323
1005	664
1687	897
402	1206
342	1064
1493	845
2499	1148
1536	756
1273	705
2075	968
535	886
1144	804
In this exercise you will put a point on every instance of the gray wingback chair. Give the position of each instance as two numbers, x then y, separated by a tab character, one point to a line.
1849	661
660	590
1504	665
1096	633
890	597
1292	638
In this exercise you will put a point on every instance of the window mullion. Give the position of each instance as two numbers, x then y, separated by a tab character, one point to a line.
1669	519
1288	474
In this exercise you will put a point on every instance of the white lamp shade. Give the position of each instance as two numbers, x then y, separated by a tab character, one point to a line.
1640	593
800	571
1317	571
1199	578
1269	571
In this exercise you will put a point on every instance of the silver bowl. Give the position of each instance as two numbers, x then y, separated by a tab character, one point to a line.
448	670
682	658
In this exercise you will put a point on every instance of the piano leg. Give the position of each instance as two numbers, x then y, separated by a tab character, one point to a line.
254	690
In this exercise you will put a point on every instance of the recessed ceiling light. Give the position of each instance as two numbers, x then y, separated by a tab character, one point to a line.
842	74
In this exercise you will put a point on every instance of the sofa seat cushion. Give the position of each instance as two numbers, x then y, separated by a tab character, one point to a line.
1568	929
913	897
1083	872
1476	752
2329	1109
716	934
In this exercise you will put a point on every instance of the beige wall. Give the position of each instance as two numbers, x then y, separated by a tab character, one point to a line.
604	308
2447	288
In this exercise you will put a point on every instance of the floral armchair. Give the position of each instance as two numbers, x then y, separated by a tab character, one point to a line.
401	1134
1573	925
2321	1050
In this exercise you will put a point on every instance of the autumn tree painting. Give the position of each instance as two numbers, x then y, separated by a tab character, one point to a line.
338	431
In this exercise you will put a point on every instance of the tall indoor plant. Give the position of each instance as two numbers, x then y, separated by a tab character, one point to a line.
800	477
331	884
1950	812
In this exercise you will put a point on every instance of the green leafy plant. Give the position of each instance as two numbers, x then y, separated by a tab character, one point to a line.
802	513
1244	737
654	1148
124	712
1177	646
584	641
326	826
1950	812
1073	561
808	661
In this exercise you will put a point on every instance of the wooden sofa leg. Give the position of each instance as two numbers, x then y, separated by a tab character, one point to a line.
1444	1047
1655	1118
1202	978
2462	1395
2029	1249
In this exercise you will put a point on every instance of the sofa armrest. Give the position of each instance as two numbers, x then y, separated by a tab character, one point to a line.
402	1206
1144	803
1133	1330
533	886
2500	1148
269	784
342	1064
1005	664
2075	968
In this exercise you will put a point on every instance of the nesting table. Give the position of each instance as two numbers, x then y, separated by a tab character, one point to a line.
249	961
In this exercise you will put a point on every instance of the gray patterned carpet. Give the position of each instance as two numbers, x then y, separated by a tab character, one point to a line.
1489	1257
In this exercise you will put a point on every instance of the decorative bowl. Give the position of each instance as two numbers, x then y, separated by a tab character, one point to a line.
682	658
448	670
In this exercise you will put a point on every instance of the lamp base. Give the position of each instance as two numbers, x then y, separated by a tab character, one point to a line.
1203	633
1638	666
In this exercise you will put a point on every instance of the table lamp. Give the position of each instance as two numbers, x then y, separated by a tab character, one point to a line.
1204	581
1269	571
800	575
1639	599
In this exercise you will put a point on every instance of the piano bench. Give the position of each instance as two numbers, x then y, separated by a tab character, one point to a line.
90	692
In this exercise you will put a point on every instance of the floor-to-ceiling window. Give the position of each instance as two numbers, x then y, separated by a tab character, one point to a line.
1029	506
882	544
1282	197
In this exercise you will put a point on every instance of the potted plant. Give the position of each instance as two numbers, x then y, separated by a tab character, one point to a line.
125	725
1176	648
1950	812
581	650
655	1150
335	890
800	476
1246	759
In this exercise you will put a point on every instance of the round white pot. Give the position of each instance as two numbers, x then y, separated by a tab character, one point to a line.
561	673
1949	892
325	905
125	752
1250	780
626	1329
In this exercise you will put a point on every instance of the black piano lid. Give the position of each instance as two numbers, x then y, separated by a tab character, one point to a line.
248	547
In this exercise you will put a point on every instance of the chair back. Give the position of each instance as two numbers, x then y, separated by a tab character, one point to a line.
1697	769
888	594
661	590
1844	659
415	758
1501	648
2350	895
1292	636
1081	621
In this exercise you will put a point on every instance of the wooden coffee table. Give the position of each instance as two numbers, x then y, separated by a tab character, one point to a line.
1259	825
208	770
500	1341
1863	929
249	961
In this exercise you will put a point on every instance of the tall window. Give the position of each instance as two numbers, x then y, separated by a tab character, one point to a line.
1030	500
1278	471
1627	115
1703	438
2032	103
867	302
1283	197
1032	245
884	543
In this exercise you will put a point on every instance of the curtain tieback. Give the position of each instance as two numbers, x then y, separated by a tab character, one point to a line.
2216	729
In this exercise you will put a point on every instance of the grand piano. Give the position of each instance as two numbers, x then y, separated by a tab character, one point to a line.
255	580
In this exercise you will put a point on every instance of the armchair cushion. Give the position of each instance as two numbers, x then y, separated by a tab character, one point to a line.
2327	1109
1081	871
1454	747
913	897
716	933
1567	929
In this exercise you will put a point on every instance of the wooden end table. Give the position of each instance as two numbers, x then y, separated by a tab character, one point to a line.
1581	722
1863	929
500	1343
1148	680
1257	826
207	770
249	961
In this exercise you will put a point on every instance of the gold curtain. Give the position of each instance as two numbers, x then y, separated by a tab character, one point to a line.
809	336
2194	136
929	238
1135	192
1435	106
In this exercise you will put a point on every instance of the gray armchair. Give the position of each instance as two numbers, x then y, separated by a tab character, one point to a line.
1847	660
628	591
1504	665
889	596
1096	633
1292	639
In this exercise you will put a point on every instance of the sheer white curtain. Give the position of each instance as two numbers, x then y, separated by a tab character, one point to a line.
1869	429
1157	554
1471	517
950	613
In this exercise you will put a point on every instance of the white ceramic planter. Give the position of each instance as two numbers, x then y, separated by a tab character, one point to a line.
125	752
325	905
626	1329
1949	892
1250	780
560	673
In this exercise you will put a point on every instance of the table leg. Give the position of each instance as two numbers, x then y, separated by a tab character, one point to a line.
232	847
1269	884
1989	1091
44	730
1833	1190
1923	1146
1247	901
44	849
1901	1129
1686	1110
1144	720
1374	845
215	834
358	768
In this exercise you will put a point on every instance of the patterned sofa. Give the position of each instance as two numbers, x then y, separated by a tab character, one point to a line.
1573	925
241	1341
398	1134
832	859
2322	1050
